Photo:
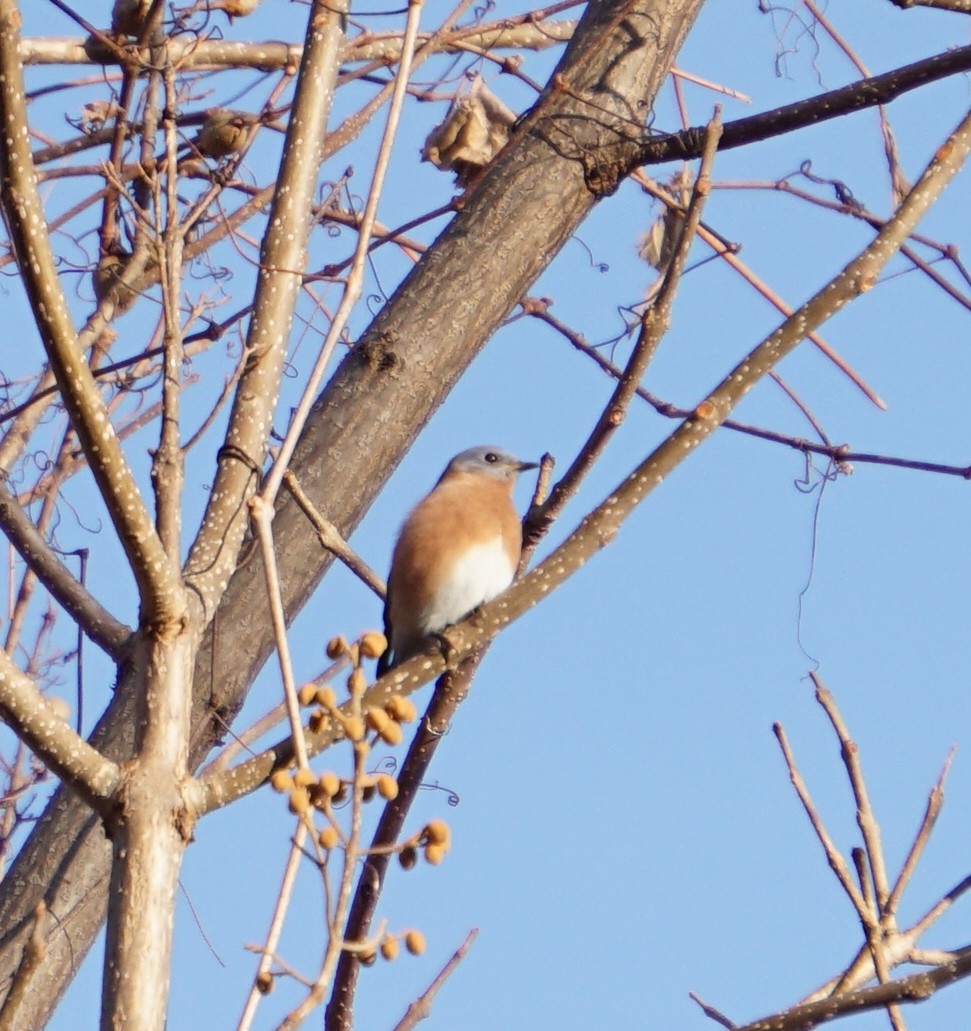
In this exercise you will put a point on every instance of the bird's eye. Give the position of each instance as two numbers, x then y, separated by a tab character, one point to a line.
491	457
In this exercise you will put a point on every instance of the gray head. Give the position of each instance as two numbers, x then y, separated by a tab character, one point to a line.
493	461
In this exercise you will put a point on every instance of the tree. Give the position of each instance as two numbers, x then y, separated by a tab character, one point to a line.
218	583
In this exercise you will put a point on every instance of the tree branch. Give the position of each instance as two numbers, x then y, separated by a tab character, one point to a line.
282	259
915	988
29	714
90	615
857	96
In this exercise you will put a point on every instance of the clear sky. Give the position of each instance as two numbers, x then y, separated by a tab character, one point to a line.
626	832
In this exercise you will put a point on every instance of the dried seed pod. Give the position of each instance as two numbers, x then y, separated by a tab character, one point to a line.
392	733
317	720
330	783
402	709
475	129
437	833
264	982
280	780
389	949
368	792
373	644
367	958
307	694
377	719
336	646
387	786
326	697
415	942
328	838
407	857
303	778
434	854
299	801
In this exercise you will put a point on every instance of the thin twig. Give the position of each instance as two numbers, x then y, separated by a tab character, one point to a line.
276	925
421	1008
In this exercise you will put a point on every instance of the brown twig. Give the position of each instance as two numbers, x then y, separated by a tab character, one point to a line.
865	818
331	538
421	1008
450	691
654	324
841	453
857	96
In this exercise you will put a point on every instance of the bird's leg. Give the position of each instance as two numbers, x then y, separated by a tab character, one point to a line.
447	647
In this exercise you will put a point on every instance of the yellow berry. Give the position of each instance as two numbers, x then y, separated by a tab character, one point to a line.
356	681
377	719
303	778
392	734
328	838
402	709
264	982
437	833
330	783
326	697
299	801
307	694
434	854
281	781
387	786
373	644
354	727
336	647
389	949
415	942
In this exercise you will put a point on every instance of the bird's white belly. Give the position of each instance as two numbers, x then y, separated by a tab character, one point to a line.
482	573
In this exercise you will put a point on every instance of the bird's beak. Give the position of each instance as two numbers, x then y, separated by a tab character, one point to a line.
523	466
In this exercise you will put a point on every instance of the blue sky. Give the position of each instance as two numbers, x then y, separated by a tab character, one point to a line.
626	832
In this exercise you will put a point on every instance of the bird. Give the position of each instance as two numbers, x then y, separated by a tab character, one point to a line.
458	548
222	133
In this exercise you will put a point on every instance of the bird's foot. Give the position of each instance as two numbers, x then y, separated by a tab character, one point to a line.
448	647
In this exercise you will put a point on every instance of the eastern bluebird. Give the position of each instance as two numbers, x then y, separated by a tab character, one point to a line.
458	549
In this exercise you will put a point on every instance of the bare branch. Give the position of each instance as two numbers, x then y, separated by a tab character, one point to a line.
519	33
915	988
95	620
880	89
282	259
421	1008
43	730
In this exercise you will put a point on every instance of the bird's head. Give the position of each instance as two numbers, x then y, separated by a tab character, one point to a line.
489	461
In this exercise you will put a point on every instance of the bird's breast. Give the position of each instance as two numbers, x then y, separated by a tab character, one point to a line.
476	576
